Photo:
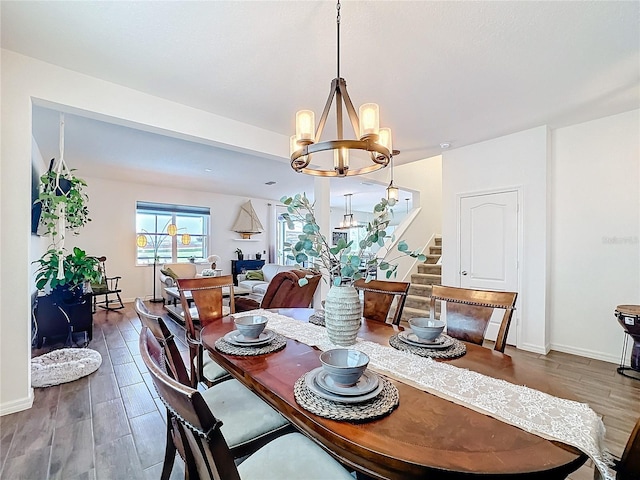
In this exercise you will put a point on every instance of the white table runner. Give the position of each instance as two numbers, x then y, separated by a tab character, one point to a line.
550	417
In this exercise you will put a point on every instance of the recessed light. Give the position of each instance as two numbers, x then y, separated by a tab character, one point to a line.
445	145
208	170
270	183
366	183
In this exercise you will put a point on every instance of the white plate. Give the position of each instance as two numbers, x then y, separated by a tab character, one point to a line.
410	338
310	382
236	338
365	384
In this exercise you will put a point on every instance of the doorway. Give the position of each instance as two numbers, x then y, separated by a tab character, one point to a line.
488	249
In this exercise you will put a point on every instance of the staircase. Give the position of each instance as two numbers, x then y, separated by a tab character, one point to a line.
429	273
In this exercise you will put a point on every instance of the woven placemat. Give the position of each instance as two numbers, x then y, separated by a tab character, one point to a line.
383	404
317	319
456	350
278	343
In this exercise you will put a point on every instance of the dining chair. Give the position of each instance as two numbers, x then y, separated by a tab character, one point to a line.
209	451
469	312
249	422
379	296
284	291
628	466
160	331
206	293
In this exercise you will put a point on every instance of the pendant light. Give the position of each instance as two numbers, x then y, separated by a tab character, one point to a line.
348	221
307	140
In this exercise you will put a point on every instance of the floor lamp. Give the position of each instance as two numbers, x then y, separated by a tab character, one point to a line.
155	241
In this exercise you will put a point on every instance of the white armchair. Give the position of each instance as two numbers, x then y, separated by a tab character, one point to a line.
182	270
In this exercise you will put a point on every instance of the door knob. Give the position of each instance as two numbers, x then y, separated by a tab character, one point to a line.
464	272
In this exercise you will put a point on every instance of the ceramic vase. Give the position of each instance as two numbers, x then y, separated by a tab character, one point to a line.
342	315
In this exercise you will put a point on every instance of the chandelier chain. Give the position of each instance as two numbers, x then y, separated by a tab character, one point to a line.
338	35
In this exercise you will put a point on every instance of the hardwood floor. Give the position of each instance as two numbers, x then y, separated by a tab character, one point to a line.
110	425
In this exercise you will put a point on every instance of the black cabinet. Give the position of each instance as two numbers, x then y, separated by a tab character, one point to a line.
241	266
59	322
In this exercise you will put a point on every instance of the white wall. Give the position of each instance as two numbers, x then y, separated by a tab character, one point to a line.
25	81
517	160
595	251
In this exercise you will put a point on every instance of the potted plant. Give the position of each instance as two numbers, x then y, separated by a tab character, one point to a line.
78	270
341	262
239	254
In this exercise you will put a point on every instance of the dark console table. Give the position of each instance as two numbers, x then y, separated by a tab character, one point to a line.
240	266
70	323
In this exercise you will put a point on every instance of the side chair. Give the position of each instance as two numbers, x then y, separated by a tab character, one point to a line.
284	292
207	295
208	455
628	466
469	312
106	286
379	296
249	422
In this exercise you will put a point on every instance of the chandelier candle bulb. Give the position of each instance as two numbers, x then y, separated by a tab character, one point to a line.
384	138
369	120
341	160
305	126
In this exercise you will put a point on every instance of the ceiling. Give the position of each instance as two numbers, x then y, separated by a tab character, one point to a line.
454	72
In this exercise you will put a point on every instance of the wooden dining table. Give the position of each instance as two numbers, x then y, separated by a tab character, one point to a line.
426	436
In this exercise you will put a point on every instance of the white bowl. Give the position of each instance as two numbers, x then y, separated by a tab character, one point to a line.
344	366
426	329
251	326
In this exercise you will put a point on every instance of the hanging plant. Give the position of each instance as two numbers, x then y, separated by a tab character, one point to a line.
62	194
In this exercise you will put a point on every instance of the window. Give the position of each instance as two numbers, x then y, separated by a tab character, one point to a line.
154	240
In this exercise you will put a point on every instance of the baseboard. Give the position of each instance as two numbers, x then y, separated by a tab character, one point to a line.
583	352
17	405
530	347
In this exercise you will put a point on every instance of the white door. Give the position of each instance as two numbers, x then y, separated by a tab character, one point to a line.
489	249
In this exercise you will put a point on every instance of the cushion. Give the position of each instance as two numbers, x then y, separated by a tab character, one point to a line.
210	369
244	415
63	365
289	456
169	273
254	275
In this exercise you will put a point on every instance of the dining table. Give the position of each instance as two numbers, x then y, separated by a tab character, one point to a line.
426	436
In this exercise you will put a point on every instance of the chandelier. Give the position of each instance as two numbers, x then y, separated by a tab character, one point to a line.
372	139
348	221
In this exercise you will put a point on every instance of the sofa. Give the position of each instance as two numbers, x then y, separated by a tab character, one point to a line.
182	270
259	287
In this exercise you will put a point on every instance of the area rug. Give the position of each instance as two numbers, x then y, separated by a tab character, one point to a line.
64	365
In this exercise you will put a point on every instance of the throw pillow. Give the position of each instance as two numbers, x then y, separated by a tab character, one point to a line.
254	275
169	273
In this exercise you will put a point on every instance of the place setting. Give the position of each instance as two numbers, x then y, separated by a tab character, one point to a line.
251	337
344	389
427	340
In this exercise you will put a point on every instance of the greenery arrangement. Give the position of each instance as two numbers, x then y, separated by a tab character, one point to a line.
341	261
78	268
63	195
239	254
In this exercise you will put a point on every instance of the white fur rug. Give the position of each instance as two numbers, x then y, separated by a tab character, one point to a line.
64	365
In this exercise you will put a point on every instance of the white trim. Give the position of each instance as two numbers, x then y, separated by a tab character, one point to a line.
530	347
17	405
585	352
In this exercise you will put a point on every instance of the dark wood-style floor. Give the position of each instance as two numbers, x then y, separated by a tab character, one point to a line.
110	425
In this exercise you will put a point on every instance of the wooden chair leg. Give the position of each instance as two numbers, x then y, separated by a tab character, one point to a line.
193	353
169	453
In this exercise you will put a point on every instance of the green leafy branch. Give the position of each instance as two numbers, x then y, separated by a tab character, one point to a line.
342	265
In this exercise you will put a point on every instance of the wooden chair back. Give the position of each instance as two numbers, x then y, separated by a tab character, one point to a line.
166	339
207	296
207	454
379	296
629	465
106	286
469	312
